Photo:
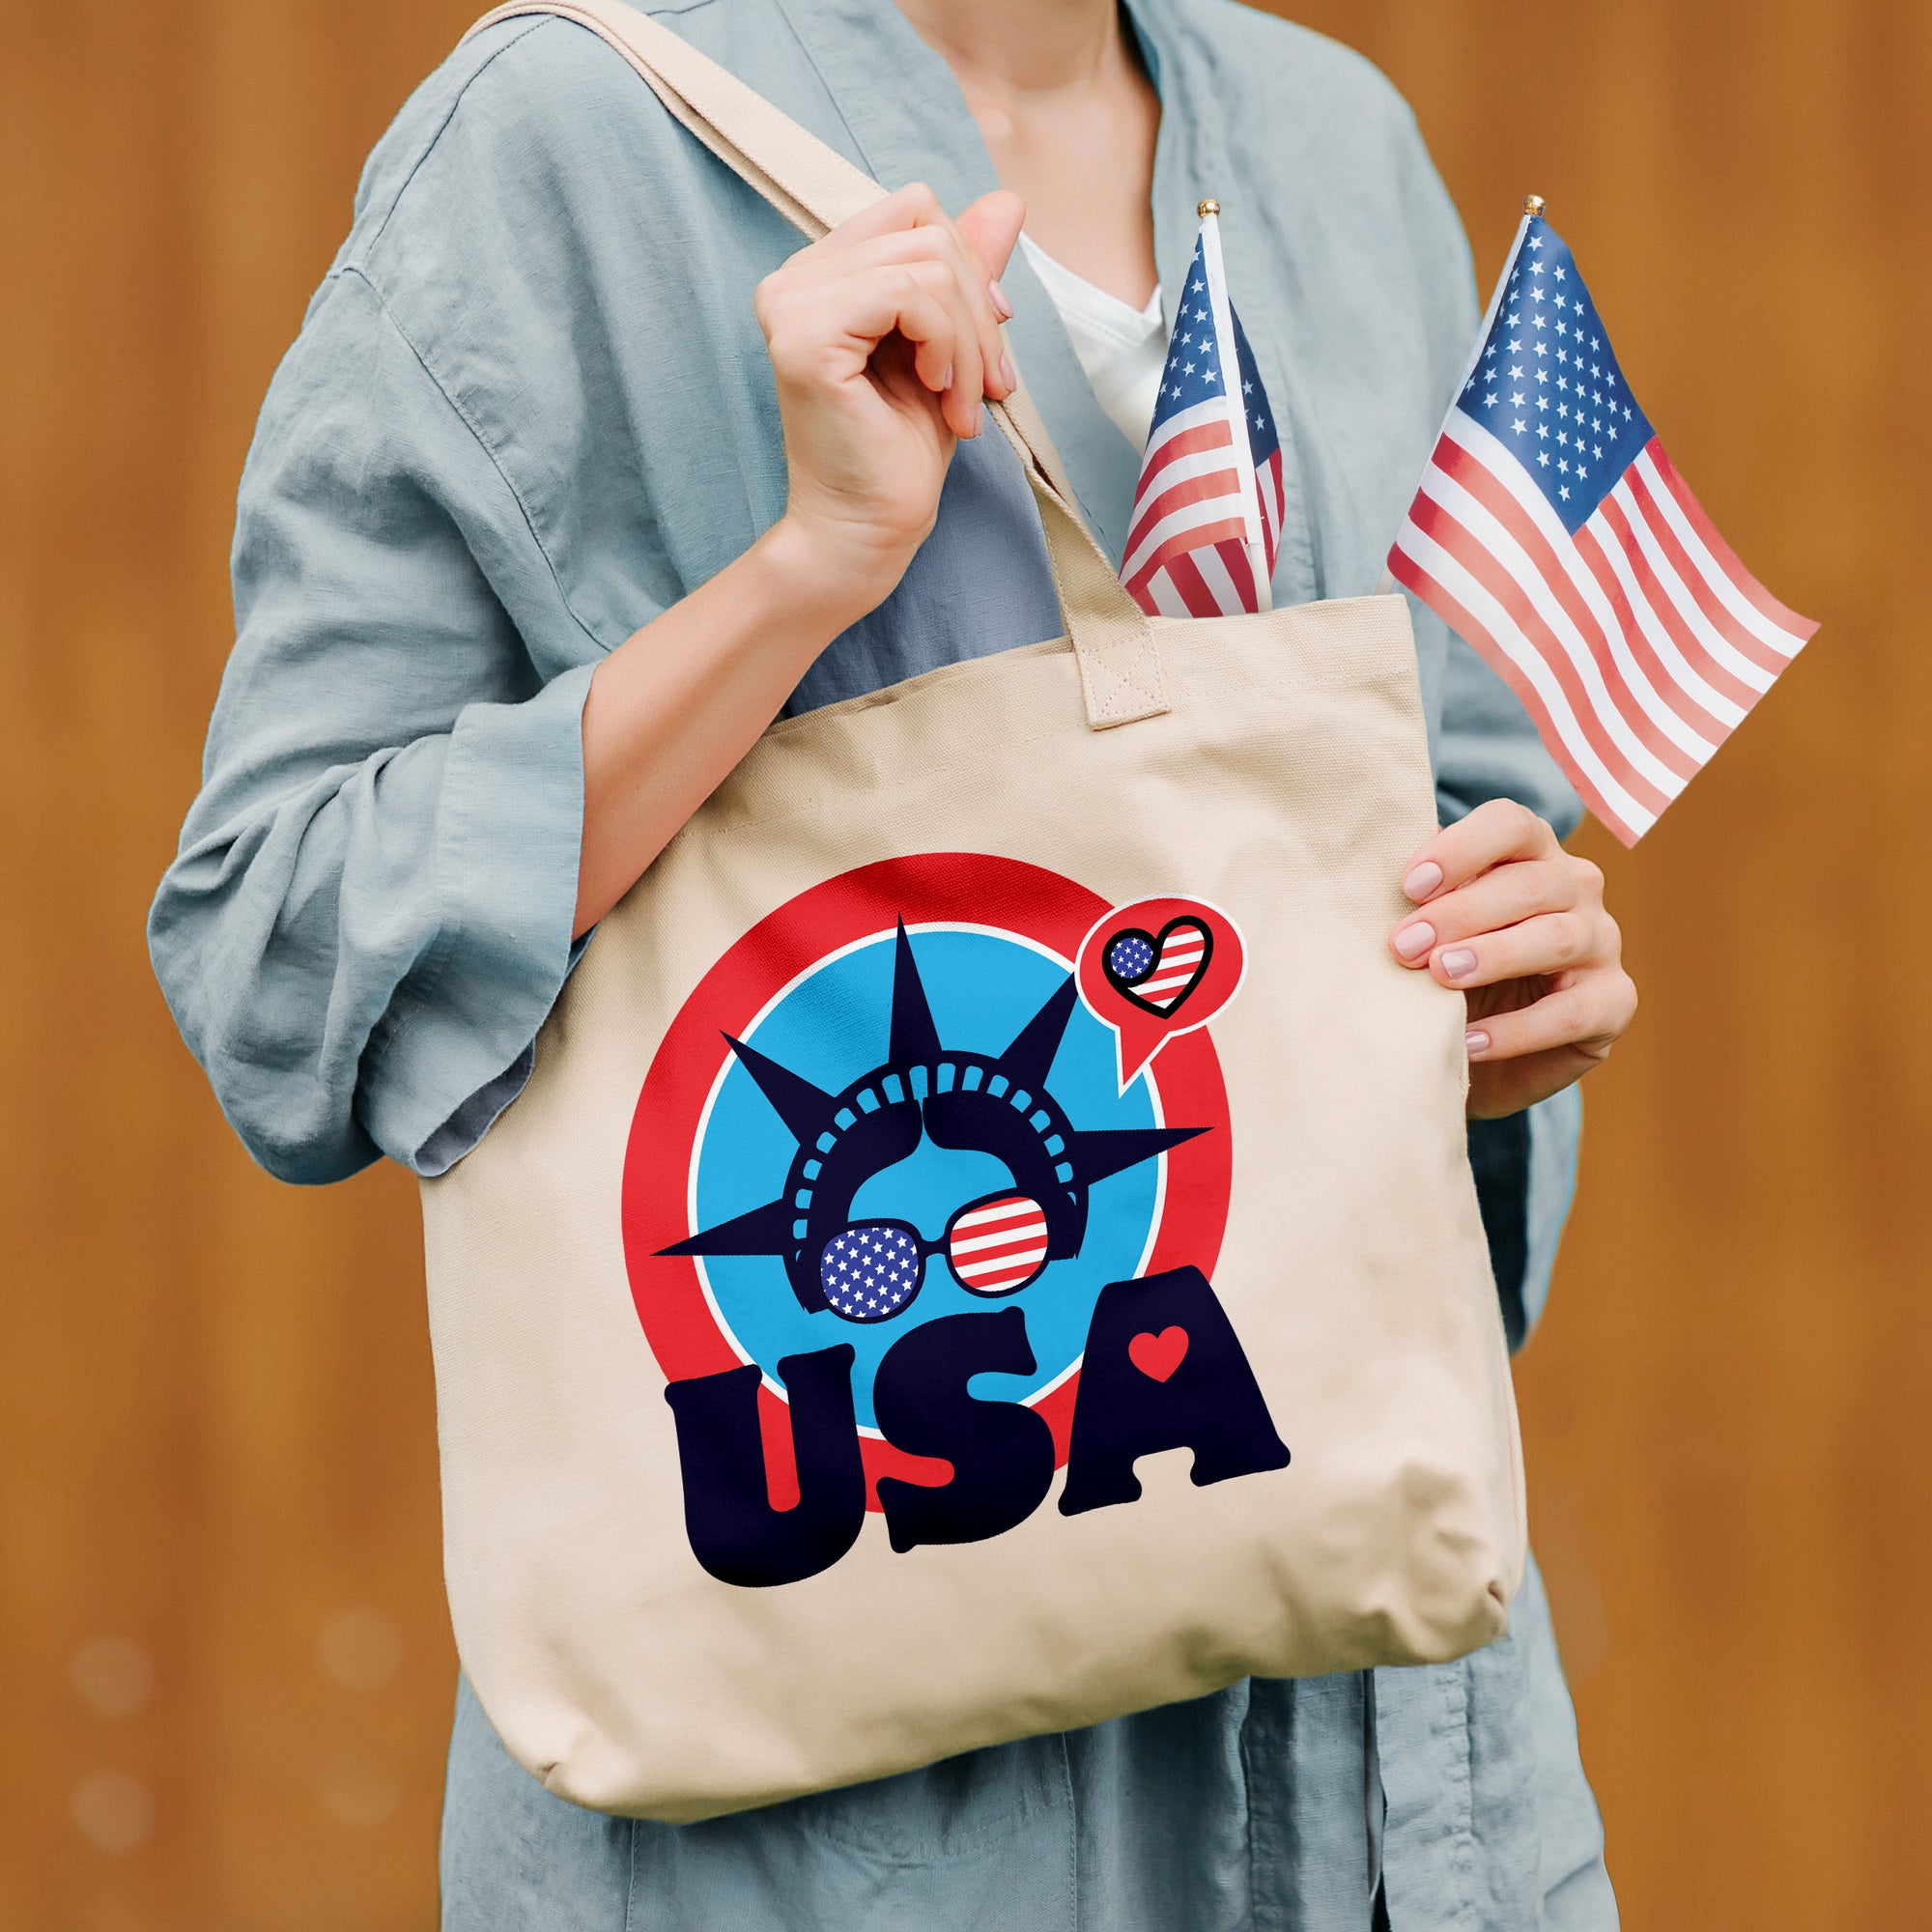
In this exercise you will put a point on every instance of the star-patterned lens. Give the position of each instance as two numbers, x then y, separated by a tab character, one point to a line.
998	1245
870	1272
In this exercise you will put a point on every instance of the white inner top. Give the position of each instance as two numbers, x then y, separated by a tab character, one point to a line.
1122	349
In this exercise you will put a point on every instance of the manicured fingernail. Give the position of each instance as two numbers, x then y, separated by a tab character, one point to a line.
1423	881
1477	1041
946	381
1459	964
978	418
1008	375
997	296
1413	941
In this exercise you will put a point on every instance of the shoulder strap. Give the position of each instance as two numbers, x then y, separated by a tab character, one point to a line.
814	189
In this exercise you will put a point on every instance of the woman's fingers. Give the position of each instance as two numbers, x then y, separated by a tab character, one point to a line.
910	228
1497	832
829	332
1587	1016
1505	896
1539	947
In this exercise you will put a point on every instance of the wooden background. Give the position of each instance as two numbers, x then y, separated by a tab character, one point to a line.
225	1671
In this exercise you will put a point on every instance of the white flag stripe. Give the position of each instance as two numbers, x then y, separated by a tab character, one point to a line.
1482	448
1719	646
1437	562
1490	534
1787	643
1168	601
1006	1264
1726	710
1274	498
1000	1210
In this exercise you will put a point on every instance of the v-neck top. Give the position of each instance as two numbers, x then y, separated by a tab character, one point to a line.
1122	350
530	408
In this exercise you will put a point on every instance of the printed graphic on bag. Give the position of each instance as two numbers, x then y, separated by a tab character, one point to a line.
944	1120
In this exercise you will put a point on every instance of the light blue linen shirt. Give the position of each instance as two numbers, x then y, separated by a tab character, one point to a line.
528	410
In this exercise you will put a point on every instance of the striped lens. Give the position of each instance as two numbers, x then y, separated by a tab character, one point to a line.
997	1245
870	1270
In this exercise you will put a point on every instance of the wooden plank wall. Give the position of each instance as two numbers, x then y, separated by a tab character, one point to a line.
225	1669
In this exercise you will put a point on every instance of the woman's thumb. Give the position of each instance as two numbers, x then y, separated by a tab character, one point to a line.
991	226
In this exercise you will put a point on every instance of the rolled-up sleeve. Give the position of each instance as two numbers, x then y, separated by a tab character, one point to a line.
370	914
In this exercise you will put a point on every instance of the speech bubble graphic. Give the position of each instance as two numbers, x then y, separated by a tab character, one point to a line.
1158	968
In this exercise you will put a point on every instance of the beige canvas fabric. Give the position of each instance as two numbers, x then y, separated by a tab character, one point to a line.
1264	779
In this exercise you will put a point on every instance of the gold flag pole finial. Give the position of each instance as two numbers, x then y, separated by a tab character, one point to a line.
1533	204
1208	207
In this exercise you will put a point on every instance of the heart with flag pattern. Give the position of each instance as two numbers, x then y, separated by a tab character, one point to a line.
1158	971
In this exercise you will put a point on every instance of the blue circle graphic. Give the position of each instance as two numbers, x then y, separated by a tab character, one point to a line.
831	1028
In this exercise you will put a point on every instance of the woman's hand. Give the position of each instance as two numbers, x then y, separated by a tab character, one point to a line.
884	338
1519	926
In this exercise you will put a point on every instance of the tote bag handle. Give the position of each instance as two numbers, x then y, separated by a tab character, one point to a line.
815	189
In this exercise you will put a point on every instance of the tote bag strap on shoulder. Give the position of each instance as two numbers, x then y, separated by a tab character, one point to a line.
815	189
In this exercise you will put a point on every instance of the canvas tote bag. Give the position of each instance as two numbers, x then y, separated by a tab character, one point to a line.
988	1243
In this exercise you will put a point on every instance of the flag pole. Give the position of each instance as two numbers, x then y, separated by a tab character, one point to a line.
1209	212
1533	206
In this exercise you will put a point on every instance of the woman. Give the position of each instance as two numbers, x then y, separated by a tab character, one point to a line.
578	472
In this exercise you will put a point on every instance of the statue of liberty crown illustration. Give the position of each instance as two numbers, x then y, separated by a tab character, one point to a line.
869	1270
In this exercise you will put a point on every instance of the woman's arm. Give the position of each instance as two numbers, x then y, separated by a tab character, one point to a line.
884	337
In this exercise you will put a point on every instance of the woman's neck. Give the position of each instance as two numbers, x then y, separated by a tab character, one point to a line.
1069	119
1020	47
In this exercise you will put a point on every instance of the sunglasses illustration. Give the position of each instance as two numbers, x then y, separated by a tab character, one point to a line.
870	1270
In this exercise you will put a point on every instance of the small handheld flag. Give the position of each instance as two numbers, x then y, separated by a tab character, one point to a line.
1554	535
1206	516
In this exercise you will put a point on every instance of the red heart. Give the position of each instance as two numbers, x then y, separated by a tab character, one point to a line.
1158	1356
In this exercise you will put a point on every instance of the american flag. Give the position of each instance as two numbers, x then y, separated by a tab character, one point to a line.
1556	536
1207	516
